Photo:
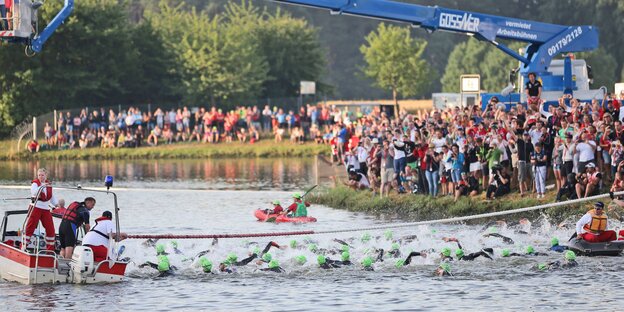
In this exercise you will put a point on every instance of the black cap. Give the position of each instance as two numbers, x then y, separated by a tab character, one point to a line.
107	214
599	205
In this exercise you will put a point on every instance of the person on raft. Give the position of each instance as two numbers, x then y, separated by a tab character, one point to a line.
569	261
298	208
459	253
277	208
592	227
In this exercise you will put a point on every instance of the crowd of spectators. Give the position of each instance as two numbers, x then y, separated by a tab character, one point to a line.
132	127
457	152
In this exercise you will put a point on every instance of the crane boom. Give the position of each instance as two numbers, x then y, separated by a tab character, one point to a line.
545	41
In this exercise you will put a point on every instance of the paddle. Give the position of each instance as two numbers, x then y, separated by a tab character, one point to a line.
308	191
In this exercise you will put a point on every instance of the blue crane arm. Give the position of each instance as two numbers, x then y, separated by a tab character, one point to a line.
38	41
545	40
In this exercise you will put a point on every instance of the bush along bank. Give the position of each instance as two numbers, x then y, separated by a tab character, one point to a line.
267	149
422	208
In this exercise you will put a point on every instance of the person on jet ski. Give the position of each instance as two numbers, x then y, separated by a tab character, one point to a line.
592	227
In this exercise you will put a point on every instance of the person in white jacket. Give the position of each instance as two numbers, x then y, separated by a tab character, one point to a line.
41	210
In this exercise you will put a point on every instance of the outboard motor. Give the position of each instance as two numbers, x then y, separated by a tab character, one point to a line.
82	263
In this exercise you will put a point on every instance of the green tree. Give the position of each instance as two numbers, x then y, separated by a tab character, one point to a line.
90	60
476	57
394	59
293	53
604	67
218	60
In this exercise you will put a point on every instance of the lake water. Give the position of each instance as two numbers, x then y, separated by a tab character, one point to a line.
199	201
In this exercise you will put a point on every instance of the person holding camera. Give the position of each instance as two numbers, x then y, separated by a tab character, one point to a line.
468	186
499	183
538	161
457	160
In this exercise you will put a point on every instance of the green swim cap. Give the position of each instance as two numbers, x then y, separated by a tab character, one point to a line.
231	258
492	229
267	257
273	264
345	256
206	264
459	253
446	267
293	243
446	252
399	263
367	262
296	195
554	241
541	266
276	202
530	250
163	263
301	259
312	248
256	250
366	237
505	252
160	248
433	231
569	255
388	235
395	246
345	248
321	259
174	244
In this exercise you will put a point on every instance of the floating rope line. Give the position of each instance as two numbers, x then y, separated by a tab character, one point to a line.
371	228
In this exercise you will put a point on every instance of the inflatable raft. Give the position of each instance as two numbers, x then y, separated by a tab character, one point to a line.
585	248
261	215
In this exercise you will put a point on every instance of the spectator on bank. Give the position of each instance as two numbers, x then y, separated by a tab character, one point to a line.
32	146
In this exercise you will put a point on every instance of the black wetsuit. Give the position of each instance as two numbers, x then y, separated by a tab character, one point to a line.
474	255
566	264
408	260
155	267
276	270
506	239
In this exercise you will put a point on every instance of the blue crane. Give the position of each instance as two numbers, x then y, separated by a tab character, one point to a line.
545	41
24	25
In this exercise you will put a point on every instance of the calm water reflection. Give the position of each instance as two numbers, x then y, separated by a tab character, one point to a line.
248	174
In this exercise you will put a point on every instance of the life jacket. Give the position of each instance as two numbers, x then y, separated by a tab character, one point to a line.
71	213
94	228
47	195
301	211
598	223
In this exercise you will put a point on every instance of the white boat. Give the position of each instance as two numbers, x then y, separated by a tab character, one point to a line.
40	266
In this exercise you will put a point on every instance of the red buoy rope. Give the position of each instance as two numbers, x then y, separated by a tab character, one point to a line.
204	236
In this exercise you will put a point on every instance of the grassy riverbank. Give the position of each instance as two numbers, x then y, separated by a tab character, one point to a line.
262	149
420	207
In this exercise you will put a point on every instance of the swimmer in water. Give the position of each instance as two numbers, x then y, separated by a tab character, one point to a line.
459	253
164	267
505	239
554	245
405	262
443	270
569	261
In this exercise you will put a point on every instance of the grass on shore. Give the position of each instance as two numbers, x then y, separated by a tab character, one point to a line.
422	208
262	149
